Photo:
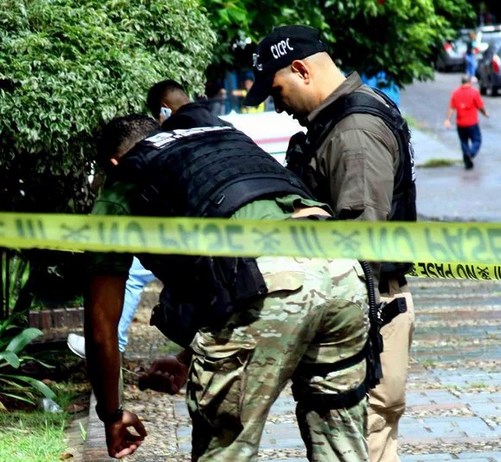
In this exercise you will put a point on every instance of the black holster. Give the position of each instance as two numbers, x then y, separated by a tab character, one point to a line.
375	341
389	311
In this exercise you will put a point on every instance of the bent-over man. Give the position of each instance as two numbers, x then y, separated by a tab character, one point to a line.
248	325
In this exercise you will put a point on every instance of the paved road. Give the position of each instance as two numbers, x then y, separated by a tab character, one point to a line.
451	192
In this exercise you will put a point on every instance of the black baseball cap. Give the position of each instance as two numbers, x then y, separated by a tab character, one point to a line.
276	51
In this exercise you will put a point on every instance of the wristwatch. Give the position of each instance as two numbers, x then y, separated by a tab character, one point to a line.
109	417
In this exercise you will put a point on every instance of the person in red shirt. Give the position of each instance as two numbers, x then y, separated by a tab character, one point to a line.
466	101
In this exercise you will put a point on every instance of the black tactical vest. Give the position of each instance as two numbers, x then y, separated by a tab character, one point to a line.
205	171
404	189
304	149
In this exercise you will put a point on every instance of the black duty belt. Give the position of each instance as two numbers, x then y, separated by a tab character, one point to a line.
324	401
322	369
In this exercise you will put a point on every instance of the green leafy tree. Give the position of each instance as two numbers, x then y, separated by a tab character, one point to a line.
398	36
68	66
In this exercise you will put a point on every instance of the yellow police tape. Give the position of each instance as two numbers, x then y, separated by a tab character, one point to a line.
481	272
463	250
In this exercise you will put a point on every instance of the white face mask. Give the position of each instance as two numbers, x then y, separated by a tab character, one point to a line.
165	113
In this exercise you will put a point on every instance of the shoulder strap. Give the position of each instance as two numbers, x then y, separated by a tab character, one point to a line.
362	103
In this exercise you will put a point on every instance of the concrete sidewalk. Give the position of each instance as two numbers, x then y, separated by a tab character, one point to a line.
428	147
454	390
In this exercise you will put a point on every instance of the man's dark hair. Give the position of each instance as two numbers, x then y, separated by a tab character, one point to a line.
157	93
465	79
120	134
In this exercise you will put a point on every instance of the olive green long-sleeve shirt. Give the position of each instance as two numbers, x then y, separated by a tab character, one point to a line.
358	159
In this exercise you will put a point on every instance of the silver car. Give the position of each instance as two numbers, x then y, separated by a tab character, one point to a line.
451	57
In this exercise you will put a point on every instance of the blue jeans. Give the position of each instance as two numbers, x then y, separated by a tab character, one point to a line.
139	278
471	139
471	65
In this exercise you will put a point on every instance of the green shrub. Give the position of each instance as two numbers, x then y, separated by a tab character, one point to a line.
67	66
13	383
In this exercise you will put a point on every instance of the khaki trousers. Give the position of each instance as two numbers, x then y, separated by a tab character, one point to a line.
387	400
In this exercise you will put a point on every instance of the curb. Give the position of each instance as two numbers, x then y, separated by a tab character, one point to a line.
95	443
57	323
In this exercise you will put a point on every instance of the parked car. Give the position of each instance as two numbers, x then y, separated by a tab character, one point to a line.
269	129
485	35
451	57
489	69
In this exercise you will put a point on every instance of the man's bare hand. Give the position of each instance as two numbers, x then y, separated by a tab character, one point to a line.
119	440
167	375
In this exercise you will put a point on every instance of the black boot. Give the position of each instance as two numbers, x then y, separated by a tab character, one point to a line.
468	163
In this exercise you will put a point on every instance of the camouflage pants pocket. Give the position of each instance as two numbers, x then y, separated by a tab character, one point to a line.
217	384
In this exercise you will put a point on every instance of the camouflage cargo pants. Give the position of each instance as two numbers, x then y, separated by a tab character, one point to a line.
315	312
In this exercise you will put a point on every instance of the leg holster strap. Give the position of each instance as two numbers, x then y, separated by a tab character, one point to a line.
391	310
322	369
321	402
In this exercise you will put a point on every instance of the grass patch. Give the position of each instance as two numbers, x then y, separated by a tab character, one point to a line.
478	385
415	123
434	163
32	436
411	121
27	433
429	363
170	348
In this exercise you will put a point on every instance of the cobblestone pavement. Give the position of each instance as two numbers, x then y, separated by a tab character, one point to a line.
454	391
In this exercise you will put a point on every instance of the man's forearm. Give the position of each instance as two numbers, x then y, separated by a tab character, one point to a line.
103	363
102	313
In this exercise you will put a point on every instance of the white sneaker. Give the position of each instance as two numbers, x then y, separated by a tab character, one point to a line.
76	343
